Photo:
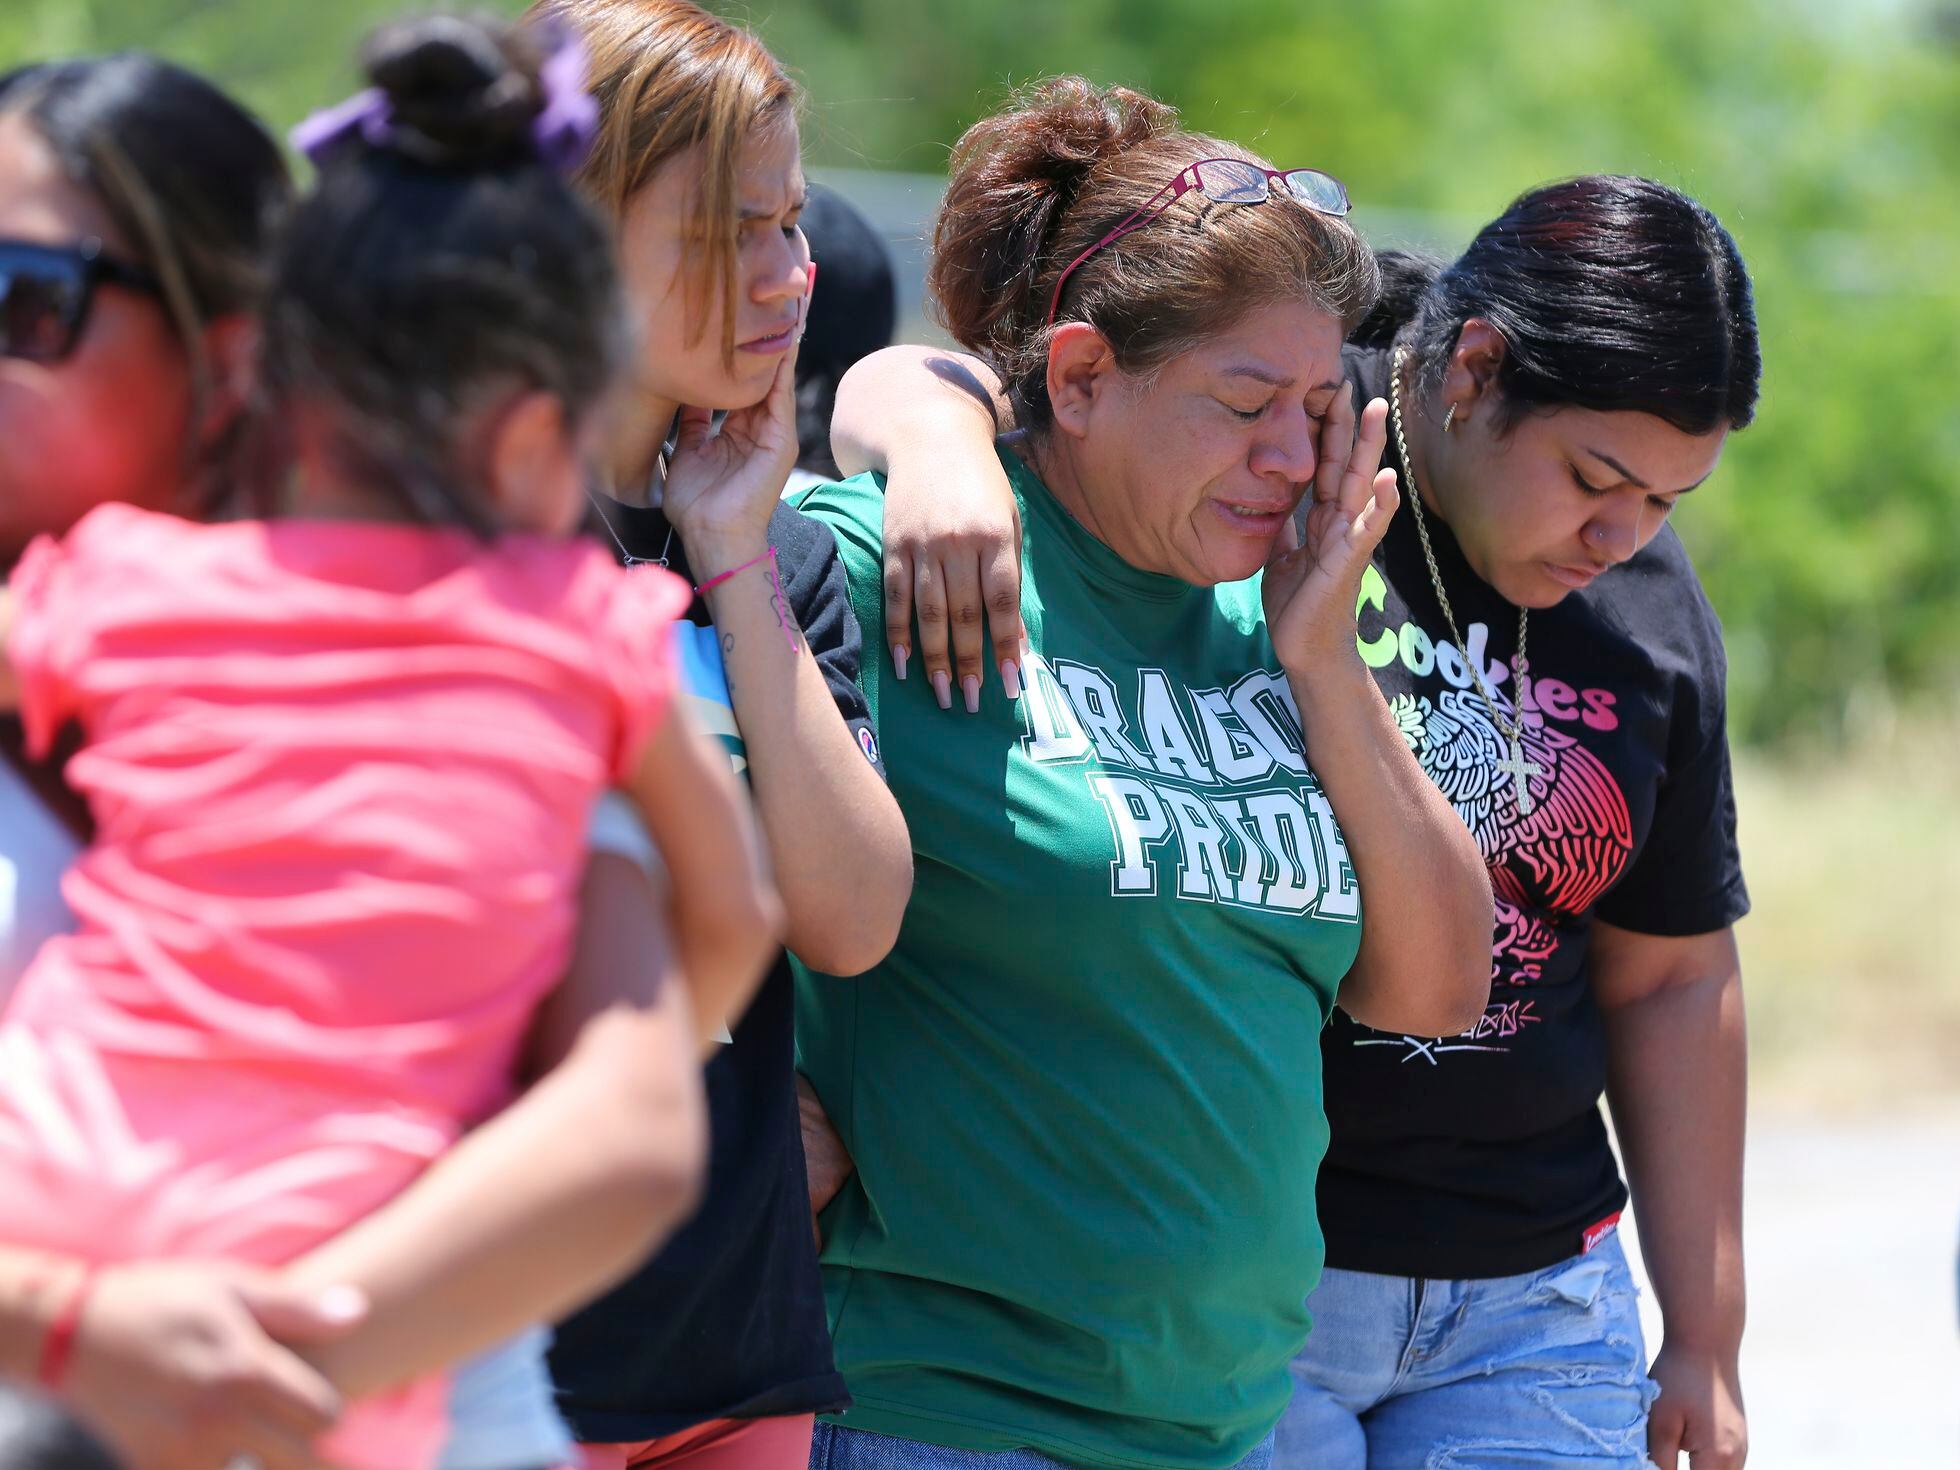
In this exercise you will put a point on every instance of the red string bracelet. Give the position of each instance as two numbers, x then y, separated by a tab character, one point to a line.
59	1345
775	580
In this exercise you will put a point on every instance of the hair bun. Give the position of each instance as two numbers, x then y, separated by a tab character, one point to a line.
1063	128
1014	177
462	93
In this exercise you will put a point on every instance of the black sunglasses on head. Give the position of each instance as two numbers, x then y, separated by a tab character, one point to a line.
46	291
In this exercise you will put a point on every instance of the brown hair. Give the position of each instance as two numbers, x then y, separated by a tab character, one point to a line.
1034	186
669	76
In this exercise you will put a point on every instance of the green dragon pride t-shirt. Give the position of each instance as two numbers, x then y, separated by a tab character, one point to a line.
1083	1092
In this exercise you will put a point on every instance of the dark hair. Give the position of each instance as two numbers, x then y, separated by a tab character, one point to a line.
850	318
435	268
1611	293
189	177
37	1434
1035	186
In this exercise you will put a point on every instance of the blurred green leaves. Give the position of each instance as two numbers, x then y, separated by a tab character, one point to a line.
1826	135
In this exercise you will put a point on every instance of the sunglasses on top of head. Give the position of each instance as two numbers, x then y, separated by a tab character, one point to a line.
46	292
1222	181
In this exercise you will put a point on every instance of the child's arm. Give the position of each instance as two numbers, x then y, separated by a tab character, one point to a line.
543	1207
727	919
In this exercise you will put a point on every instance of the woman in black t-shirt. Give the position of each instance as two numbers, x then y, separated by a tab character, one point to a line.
1553	662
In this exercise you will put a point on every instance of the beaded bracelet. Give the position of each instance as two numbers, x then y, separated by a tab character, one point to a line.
776	581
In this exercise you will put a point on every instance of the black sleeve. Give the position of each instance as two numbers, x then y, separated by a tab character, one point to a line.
819	597
1687	878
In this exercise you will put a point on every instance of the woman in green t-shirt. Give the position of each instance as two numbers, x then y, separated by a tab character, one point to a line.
1083	1094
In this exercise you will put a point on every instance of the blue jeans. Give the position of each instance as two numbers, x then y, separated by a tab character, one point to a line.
502	1415
1514	1373
838	1448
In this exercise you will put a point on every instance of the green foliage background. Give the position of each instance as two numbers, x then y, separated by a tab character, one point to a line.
1826	135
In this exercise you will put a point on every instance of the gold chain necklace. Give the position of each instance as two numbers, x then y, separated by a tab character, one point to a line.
1521	770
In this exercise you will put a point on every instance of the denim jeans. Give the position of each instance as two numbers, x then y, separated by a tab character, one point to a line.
502	1415
838	1448
1514	1373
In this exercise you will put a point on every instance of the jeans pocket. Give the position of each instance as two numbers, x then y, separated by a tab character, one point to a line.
1582	1281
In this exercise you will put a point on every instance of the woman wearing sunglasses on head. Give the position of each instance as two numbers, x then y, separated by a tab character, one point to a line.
135	201
1083	1093
1554	666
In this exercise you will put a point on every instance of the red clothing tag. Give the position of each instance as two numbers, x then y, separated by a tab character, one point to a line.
1596	1233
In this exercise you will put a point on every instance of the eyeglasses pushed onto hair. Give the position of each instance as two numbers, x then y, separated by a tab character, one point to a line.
1222	181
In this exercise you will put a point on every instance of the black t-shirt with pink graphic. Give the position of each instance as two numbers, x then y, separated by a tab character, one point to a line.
1486	1154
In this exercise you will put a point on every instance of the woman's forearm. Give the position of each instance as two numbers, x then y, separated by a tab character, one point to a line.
924	398
1424	963
514	1225
1677	1069
838	848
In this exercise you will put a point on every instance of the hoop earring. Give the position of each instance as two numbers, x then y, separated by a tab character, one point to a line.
1447	417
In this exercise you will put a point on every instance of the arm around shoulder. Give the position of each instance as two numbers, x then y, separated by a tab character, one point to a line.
914	396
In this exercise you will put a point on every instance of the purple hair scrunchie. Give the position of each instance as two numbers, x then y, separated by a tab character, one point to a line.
568	124
366	113
561	134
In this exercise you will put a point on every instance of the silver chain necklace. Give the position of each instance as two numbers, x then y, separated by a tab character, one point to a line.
1521	770
654	481
630	559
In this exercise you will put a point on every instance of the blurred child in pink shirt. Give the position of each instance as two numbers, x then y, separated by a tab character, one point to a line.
342	760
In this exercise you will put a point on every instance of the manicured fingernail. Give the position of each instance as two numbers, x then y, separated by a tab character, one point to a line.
970	686
1010	678
899	655
942	689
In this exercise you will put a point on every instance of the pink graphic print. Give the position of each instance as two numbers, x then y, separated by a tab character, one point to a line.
1551	864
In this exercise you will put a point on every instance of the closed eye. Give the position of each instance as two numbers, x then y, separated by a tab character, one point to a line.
1584	484
1245	415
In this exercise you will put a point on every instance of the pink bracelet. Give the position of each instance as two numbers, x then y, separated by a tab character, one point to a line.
768	556
775	580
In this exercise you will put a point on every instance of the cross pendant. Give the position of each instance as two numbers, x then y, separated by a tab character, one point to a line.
1521	771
